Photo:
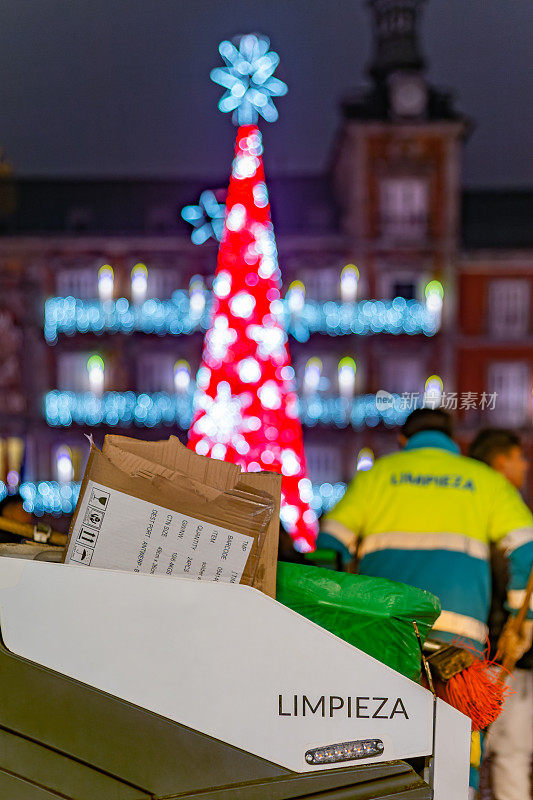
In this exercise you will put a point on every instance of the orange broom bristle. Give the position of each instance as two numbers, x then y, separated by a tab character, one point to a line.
476	690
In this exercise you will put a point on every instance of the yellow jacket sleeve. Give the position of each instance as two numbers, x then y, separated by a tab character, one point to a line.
512	529
509	512
343	524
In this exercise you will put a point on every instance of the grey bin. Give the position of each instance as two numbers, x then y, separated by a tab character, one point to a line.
62	739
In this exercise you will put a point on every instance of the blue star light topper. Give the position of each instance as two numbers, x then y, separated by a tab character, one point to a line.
248	78
207	218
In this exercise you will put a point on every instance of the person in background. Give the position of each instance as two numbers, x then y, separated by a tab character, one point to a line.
426	516
12	507
510	739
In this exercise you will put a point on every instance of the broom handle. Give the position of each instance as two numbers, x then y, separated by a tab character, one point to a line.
27	530
518	621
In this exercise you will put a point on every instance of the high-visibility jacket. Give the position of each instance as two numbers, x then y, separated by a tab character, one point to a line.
426	516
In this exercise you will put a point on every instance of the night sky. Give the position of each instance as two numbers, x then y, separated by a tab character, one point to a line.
120	88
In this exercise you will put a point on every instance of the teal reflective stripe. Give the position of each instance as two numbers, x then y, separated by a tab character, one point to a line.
327	542
434	439
520	561
460	581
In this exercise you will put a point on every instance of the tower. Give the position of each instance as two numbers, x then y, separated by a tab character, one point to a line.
397	178
396	44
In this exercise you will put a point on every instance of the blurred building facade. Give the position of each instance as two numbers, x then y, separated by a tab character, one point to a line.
395	282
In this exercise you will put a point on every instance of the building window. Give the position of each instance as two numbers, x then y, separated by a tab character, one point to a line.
162	282
320	284
399	374
155	372
510	382
509	308
404	208
79	283
324	463
394	282
72	373
405	289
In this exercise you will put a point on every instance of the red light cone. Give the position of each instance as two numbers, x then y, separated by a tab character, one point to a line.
246	406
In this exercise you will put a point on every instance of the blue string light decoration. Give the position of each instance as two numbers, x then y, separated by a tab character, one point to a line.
114	409
248	80
51	497
62	409
68	315
46	497
326	496
207	218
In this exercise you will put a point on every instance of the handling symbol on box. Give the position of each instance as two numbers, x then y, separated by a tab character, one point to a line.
87	537
81	554
94	517
99	498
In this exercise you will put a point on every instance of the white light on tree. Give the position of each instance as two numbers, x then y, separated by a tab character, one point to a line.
197	295
105	283
96	371
248	79
219	339
305	488
289	515
242	305
218	451
271	342
182	376
349	283
222	284
244	166
64	467
365	459
249	370
312	375
265	245
346	374
296	297
139	283
290	464
223	417
236	217
269	395
260	194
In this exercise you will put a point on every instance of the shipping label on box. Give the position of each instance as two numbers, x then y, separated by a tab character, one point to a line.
114	530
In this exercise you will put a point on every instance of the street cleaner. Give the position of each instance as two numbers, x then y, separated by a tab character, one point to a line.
426	516
509	743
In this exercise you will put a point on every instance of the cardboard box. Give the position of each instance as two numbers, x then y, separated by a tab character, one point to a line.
160	508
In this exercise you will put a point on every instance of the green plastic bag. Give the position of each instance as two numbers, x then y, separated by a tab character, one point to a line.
374	614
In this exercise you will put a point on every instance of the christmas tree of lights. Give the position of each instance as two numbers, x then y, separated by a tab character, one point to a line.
246	404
